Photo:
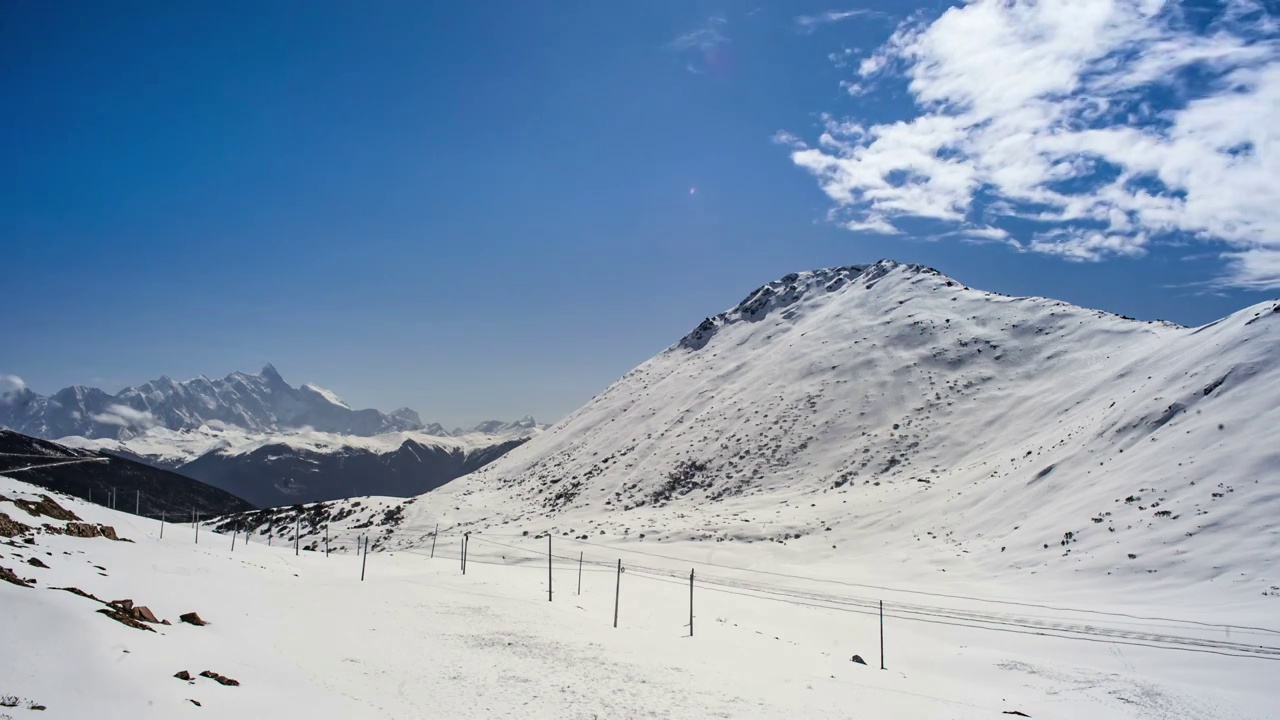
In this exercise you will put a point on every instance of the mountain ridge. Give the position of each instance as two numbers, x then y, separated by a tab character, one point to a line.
902	411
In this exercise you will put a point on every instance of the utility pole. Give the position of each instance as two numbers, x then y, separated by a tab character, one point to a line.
690	602
616	592
433	540
548	566
579	572
881	634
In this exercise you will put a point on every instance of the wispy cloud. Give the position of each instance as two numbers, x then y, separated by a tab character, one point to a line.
809	23
125	416
1084	129
11	383
708	37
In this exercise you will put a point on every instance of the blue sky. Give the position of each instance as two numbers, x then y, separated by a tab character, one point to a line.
488	210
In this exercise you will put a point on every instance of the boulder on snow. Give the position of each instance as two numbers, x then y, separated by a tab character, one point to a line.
182	675
7	575
78	591
220	679
122	605
143	613
82	530
37	562
858	659
192	619
124	619
10	527
46	507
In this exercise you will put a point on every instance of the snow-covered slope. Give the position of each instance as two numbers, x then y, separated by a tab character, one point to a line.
308	634
890	409
261	402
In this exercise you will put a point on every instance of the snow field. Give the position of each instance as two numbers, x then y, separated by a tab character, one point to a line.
306	638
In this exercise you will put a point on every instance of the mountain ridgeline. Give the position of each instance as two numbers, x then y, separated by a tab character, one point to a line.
888	406
260	402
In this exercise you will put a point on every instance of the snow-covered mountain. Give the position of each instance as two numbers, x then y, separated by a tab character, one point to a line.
292	466
261	402
889	408
523	426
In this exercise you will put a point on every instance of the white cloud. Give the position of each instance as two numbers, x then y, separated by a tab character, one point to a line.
11	383
711	35
125	416
1046	113
812	22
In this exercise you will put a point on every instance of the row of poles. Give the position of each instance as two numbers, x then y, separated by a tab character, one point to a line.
362	546
617	591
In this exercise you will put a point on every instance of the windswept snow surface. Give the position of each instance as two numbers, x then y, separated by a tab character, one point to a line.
305	637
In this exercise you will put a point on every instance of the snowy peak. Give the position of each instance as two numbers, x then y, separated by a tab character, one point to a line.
790	290
261	402
894	400
407	415
499	427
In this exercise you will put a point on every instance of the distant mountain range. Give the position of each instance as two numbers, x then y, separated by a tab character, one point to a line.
261	402
263	439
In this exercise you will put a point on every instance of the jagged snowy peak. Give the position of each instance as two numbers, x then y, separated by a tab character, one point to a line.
408	415
258	402
890	407
500	427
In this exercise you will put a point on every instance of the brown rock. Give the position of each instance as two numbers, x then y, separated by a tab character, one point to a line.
124	619
122	605
108	532
182	675
46	507
82	530
192	619
7	575
143	613
10	527
221	679
37	562
194	702
77	591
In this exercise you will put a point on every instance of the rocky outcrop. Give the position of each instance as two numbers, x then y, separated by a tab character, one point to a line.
12	528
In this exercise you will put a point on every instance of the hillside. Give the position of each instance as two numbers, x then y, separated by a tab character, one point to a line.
138	486
890	409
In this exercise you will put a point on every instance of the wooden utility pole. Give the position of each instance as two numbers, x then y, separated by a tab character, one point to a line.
161	524
548	566
137	504
616	592
579	572
433	540
881	634
197	514
364	558
297	533
690	602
